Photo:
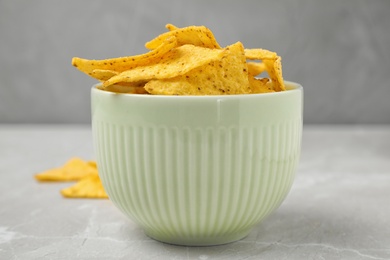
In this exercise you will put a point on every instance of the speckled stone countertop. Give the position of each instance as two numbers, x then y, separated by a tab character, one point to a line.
338	207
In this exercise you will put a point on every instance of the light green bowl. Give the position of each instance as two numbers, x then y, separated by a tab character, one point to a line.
197	170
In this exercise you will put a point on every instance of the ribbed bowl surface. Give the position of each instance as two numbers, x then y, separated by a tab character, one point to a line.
197	170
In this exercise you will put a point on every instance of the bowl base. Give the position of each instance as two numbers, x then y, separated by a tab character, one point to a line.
198	241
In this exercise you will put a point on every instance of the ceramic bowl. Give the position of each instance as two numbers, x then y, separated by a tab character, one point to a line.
197	170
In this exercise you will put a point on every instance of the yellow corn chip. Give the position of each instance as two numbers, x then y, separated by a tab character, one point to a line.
255	68
176	62
125	88
274	70
92	163
125	63
103	75
225	76
74	170
88	187
171	27
195	35
272	64
130	88
260	85
260	54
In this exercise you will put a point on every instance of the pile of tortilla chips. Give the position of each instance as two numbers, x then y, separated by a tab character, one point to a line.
85	173
188	61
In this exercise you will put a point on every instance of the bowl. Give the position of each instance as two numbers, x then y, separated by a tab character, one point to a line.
197	170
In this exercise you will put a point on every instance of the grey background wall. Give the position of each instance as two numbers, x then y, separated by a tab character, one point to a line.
338	50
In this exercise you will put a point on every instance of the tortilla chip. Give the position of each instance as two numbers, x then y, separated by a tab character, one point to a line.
260	54
274	70
124	87
88	187
103	75
176	62
260	85
256	68
195	35
272	64
225	76
75	169
125	63
171	27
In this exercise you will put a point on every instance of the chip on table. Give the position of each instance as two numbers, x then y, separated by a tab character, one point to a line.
88	183
88	187
73	170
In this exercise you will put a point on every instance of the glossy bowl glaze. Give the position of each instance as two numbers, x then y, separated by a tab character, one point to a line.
197	170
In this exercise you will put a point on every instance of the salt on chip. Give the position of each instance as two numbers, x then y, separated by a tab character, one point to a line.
125	63
176	62
89	187
73	170
225	76
195	35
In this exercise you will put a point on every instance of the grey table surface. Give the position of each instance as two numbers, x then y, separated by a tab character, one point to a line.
338	207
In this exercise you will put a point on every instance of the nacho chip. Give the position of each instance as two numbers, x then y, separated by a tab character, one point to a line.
103	75
176	62
125	63
274	70
195	35
272	64
124	87
130	88
73	170
88	187
256	68
260	54
171	27
225	76
92	163
260	85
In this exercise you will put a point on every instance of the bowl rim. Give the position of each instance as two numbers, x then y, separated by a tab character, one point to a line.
290	87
